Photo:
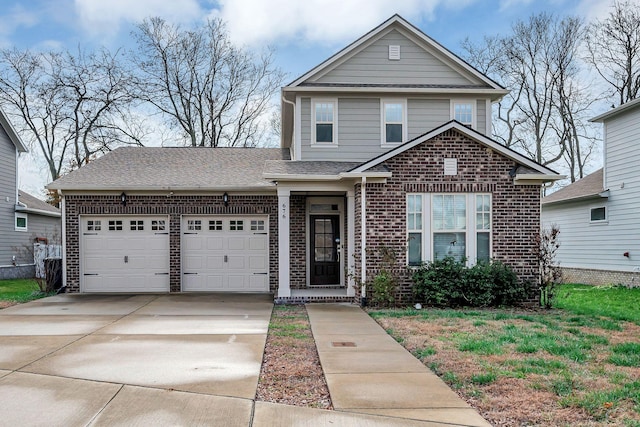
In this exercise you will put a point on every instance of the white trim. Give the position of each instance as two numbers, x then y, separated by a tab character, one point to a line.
465	101
284	252
615	111
351	244
64	240
334	122
297	128
396	90
383	122
548	174
363	236
19	215
488	130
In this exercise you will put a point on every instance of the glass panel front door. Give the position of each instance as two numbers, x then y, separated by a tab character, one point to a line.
325	255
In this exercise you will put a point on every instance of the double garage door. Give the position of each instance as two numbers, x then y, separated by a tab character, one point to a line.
131	254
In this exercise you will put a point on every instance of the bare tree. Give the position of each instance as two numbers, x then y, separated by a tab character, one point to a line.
66	105
613	46
545	113
216	94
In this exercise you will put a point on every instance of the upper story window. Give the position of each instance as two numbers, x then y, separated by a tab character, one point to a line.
21	222
394	118
464	112
598	214
324	115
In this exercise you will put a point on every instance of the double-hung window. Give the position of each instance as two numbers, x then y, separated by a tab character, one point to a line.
324	117
463	112
394	121
448	225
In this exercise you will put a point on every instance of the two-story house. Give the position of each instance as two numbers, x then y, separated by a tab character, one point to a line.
599	215
23	217
383	145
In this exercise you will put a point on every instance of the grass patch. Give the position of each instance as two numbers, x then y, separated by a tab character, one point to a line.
626	354
20	290
613	302
553	367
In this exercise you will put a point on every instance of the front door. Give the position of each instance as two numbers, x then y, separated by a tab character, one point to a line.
325	255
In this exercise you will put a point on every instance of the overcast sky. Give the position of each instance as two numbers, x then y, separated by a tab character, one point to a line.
303	32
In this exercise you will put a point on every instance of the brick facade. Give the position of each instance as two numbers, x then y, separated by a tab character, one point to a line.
515	208
174	206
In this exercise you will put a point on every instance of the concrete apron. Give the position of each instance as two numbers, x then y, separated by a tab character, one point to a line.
367	371
78	360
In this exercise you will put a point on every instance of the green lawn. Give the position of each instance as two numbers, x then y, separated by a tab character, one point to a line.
617	303
19	290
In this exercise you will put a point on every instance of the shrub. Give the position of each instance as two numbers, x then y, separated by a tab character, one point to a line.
448	282
384	288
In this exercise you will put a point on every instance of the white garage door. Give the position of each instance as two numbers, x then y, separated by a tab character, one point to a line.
229	254
125	254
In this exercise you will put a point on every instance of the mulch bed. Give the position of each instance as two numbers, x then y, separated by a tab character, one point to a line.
291	373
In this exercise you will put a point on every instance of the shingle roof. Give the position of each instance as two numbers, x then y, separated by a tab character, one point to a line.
589	186
176	168
30	202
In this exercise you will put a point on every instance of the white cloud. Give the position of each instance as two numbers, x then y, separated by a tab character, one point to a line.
14	18
317	21
508	4
104	18
594	9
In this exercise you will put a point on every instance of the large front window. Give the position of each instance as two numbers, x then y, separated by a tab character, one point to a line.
448	225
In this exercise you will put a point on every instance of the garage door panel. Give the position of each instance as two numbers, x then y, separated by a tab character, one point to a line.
215	243
215	262
232	254
134	258
258	243
236	243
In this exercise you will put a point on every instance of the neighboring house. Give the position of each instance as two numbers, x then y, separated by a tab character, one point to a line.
599	215
23	218
383	145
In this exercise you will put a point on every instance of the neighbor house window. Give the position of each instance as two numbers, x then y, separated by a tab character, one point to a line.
463	112
21	222
598	214
448	225
324	116
394	117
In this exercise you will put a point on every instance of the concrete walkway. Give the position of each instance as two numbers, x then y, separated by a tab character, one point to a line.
368	372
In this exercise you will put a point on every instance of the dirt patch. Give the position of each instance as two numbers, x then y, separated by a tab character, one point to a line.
5	304
291	373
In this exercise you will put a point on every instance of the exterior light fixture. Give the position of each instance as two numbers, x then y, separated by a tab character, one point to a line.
123	199
225	199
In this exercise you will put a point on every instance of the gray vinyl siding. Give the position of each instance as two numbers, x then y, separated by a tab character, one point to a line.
426	114
481	116
45	226
602	245
416	66
8	236
359	126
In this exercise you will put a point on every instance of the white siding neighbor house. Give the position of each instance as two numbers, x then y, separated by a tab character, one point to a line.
599	215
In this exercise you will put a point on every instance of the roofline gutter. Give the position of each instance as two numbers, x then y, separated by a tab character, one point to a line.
338	177
38	211
118	190
596	196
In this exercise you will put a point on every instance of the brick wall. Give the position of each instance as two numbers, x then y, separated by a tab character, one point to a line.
600	277
516	209
174	207
298	242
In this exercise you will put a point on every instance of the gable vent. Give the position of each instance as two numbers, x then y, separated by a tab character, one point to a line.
394	52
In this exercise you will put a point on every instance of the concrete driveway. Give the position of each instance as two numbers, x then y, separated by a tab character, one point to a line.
78	360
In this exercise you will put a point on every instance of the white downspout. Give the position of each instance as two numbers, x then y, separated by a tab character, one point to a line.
293	130
363	240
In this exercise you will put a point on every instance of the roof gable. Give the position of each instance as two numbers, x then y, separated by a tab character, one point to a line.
31	204
437	66
11	133
534	171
